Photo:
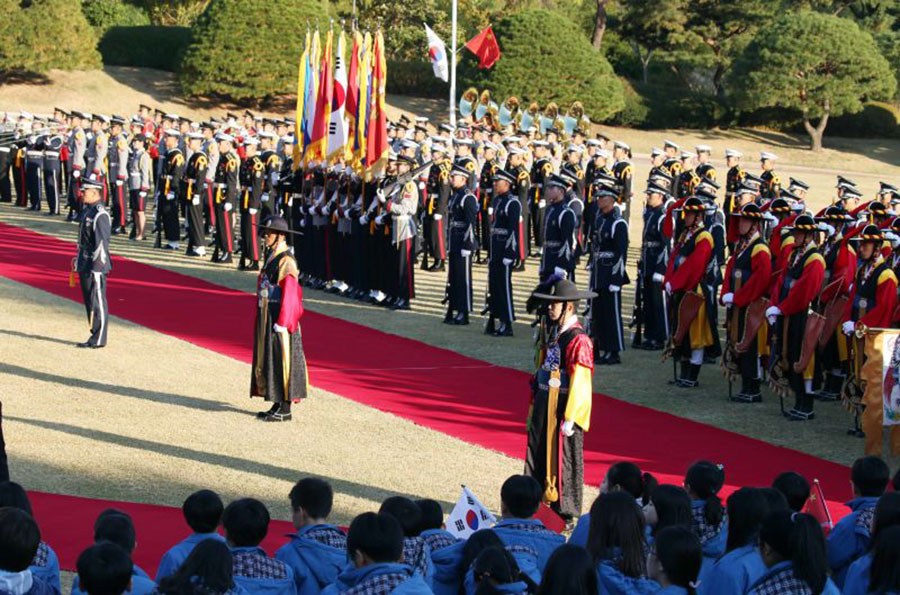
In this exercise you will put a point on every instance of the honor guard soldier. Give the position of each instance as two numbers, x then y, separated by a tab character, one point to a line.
608	276
463	215
622	172
437	189
657	158
733	178
599	172
575	202
746	284
771	184
97	151
463	148
118	174
269	198
226	194
401	208
53	171
140	173
561	226
652	269
801	189
20	142
688	265
252	178
192	188
34	165
506	250
486	200
797	286
573	168
672	164
93	262
520	190
211	148
688	180
541	169
168	190
704	168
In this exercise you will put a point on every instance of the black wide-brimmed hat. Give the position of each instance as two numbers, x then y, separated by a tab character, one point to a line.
869	233
803	223
749	211
561	290
275	223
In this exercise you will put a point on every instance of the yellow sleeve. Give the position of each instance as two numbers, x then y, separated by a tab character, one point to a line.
581	394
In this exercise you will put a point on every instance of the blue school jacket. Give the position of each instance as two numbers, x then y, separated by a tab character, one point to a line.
315	564
672	590
579	535
175	557
850	537
733	573
38	586
447	572
530	533
264	585
857	579
45	566
438	539
141	583
830	587
611	581
353	577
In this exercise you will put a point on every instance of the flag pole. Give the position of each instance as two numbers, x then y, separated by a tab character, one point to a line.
453	68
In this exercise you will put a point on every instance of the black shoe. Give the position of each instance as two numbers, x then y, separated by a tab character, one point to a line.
489	326
652	346
50	214
504	330
400	305
278	416
226	259
71	216
747	397
272	410
115	231
133	234
253	266
168	247
449	318
439	267
461	319
612	359
86	345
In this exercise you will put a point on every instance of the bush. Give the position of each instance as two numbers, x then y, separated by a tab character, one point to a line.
665	106
103	14
46	34
876	120
248	49
538	42
415	79
148	47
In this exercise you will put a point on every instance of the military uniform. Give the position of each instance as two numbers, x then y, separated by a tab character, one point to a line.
560	245
34	165
252	176
140	168
506	250
770	189
118	163
520	189
541	170
52	173
686	183
608	276
167	192
192	187
463	215
673	168
92	265
226	194
622	172
77	149
95	157
654	261
5	165
402	210
211	148
437	189
485	206
733	180
269	198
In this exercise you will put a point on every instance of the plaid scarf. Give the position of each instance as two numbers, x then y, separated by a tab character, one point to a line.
783	582
329	536
703	529
254	564
527	528
439	541
378	585
521	549
415	554
41	556
864	518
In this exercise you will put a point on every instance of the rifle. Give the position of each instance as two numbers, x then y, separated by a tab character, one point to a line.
401	181
159	223
637	313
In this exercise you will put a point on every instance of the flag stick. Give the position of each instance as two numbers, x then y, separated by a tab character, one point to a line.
453	68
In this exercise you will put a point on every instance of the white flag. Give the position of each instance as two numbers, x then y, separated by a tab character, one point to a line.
438	54
469	515
337	126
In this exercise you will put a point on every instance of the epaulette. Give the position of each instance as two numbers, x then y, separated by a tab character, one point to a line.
523	175
886	275
760	247
470	165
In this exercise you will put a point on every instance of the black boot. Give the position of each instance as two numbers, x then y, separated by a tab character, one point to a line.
831	390
271	410
504	330
804	411
461	319
750	392
449	318
283	413
489	326
689	376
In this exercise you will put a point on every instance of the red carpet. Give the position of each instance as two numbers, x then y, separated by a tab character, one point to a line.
472	400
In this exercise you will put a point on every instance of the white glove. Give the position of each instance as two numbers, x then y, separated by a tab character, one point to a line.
303	223
76	173
253	211
828	229
196	200
279	329
893	238
658	278
728	299
227	206
848	327
561	272
490	210
614	288
465	253
437	216
379	220
93	177
363	220
668	288
142	194
264	197
773	312
380	196
170	196
507	262
542	204
119	182
568	427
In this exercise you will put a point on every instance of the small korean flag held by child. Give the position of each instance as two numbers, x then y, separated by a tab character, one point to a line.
469	515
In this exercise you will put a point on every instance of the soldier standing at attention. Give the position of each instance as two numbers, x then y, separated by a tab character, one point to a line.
486	200
437	193
401	207
192	188
622	172
733	178
704	168
211	148
97	150
252	173
93	261
523	183
140	173
118	174
168	189
652	269
53	146
771	185
463	214
673	165
610	245
226	191
560	229
506	240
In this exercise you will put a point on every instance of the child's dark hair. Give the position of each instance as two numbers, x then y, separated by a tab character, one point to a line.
405	511
673	507
432	515
628	477
13	495
887	513
680	554
775	499
378	536
795	489
19	539
477	542
521	494
705	479
747	508
203	511
104	569
494	564
313	495
884	576
618	522
870	476
798	537
209	566
115	527
569	571
246	522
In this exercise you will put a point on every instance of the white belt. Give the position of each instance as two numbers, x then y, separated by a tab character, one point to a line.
34	153
51	153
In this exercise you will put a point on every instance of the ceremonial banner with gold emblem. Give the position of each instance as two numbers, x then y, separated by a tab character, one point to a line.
890	370
880	379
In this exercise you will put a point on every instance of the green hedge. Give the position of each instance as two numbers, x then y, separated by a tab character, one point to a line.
103	14
148	47
663	106
876	120
415	79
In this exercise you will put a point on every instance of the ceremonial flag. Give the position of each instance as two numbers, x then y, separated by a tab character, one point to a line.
484	45
312	84
318	146
362	109
303	70
337	129
376	137
817	508
880	377
351	105
469	515
437	51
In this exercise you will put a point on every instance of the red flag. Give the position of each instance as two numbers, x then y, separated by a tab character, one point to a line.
551	520
352	106
484	45
318	144
817	507
376	141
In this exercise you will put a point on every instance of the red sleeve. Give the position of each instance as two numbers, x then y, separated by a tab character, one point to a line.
691	270
805	289
580	351
668	227
291	303
761	265
64	153
844	268
885	301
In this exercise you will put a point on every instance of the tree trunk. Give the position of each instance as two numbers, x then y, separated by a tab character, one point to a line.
643	59
818	131
599	24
